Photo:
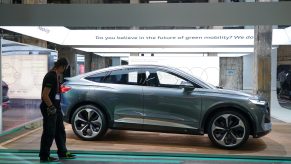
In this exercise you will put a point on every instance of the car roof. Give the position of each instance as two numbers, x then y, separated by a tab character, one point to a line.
121	67
137	66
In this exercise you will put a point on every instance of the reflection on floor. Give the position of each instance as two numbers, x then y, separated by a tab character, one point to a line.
284	102
17	157
19	112
14	117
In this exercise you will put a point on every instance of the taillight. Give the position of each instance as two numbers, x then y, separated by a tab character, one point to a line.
65	89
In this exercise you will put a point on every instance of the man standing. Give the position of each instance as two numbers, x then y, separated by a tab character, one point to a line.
53	126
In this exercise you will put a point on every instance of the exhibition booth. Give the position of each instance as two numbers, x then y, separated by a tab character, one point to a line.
221	51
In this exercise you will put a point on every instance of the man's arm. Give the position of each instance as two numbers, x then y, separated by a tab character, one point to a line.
45	96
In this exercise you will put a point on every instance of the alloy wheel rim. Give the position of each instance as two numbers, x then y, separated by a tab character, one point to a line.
88	123
228	130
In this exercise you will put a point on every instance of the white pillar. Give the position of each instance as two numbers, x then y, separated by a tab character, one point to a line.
262	61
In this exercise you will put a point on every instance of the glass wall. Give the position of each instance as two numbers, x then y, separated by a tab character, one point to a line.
23	68
284	76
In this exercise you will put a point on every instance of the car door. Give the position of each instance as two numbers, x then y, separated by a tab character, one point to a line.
167	106
123	96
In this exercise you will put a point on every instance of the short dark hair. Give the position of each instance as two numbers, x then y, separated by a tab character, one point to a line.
61	62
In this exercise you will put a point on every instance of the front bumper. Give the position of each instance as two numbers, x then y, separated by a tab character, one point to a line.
267	129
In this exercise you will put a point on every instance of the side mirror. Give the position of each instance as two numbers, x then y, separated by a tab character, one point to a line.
187	86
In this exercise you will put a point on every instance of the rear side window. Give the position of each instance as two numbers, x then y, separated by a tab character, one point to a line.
123	76
99	77
132	77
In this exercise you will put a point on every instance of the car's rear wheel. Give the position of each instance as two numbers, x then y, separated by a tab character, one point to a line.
228	129
89	122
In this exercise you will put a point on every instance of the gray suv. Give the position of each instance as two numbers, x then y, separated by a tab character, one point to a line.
161	99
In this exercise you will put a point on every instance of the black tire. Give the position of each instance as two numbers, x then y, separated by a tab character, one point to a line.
90	129
231	135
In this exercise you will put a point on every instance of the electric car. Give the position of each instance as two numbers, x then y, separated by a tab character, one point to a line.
161	99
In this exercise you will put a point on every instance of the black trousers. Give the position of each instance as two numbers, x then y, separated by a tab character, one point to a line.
53	129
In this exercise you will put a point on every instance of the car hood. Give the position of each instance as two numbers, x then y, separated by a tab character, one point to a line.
229	92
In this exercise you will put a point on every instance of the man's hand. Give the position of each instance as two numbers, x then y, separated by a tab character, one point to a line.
51	110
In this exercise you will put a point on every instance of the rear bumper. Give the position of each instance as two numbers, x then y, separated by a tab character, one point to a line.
66	116
66	119
65	107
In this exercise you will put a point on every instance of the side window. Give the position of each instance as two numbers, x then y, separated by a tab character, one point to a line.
170	80
151	78
97	77
123	76
115	77
160	78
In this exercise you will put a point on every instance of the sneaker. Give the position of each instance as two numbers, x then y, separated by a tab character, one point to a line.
49	159
67	155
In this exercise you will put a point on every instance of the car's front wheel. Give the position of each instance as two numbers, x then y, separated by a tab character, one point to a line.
228	129
89	122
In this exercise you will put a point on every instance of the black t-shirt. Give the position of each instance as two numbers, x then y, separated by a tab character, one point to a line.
51	81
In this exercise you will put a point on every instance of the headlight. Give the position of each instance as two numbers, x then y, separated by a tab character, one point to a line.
257	101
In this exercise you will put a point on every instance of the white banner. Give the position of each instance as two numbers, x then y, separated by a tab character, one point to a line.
158	38
161	37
